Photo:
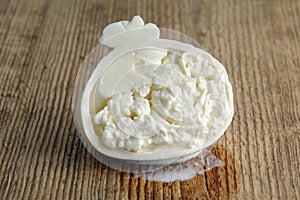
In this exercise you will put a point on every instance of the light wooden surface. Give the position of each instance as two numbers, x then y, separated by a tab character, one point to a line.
43	42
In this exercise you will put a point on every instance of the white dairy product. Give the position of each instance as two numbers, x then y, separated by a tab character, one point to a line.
158	98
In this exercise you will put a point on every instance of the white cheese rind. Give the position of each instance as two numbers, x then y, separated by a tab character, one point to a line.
122	33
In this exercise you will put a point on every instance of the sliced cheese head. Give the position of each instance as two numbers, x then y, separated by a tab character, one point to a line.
154	99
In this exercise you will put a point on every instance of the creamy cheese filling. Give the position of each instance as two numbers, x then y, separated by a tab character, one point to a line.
162	99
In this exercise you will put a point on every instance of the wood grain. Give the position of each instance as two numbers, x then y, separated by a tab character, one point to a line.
43	43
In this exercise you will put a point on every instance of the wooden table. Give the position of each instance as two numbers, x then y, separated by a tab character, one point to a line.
43	43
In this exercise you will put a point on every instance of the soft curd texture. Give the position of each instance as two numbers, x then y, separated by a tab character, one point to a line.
184	101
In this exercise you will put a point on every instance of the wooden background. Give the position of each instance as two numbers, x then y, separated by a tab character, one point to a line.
42	45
